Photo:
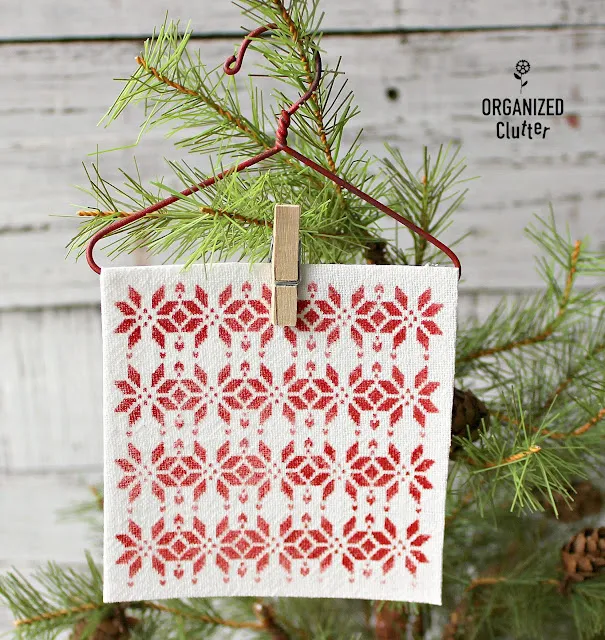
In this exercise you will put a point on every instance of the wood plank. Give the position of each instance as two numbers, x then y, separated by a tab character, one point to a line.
72	18
34	528
431	96
51	386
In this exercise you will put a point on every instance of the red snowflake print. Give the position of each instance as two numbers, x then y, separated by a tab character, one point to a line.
419	318
166	317
136	397
320	316
135	317
180	547
181	394
247	394
411	547
416	474
246	316
244	470
182	316
312	393
374	472
136	475
371	472
181	472
308	470
164	394
375	395
135	549
369	545
306	544
370	318
242	545
420	398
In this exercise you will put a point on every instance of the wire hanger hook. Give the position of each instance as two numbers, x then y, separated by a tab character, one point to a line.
231	66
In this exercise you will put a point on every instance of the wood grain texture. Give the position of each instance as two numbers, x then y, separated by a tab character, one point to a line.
414	90
50	390
34	527
285	262
73	18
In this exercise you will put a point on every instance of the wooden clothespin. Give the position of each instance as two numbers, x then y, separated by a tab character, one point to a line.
285	259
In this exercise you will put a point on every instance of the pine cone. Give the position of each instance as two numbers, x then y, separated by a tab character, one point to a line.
583	556
116	627
376	252
587	501
390	623
468	411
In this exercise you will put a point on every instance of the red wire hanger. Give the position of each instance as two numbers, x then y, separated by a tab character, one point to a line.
232	65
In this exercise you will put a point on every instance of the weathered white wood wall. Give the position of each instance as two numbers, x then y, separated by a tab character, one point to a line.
419	69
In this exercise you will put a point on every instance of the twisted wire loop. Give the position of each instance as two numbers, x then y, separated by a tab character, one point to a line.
232	65
281	134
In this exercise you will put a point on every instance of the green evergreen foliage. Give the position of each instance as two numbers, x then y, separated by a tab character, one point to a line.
538	363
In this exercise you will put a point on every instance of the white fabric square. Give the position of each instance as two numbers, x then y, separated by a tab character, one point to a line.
243	458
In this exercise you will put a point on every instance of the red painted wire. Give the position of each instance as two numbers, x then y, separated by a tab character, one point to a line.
232	65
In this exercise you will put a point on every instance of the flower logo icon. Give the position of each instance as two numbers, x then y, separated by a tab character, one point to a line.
521	68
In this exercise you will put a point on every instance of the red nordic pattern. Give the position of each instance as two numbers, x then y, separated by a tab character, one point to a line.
306	546
368	544
243	471
164	394
250	451
369	473
418	320
246	546
178	547
244	316
161	474
313	471
385	399
245	394
324	318
394	317
166	318
310	393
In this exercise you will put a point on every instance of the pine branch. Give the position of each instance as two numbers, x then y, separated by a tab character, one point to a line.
529	466
581	430
297	38
240	122
183	612
515	457
67	599
430	197
574	373
209	210
550	328
63	598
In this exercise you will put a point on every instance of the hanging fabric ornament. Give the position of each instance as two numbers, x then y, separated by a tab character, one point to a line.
244	458
272	431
